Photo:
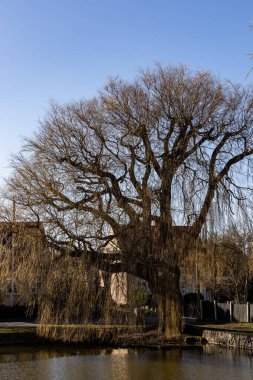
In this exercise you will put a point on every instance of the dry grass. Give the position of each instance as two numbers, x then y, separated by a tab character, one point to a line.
89	333
17	330
240	327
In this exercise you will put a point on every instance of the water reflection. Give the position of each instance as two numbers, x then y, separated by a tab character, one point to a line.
75	363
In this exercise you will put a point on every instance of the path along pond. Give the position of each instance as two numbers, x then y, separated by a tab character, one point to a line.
75	363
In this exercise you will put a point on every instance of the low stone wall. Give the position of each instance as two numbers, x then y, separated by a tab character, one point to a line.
228	339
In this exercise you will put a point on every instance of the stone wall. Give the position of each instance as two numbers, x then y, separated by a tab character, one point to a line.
225	338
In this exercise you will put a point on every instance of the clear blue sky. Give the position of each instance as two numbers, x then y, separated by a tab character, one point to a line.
66	49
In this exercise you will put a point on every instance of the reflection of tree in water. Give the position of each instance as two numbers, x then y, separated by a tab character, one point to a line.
36	353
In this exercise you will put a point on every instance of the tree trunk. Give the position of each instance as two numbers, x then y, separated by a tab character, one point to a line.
170	304
107	300
161	313
173	310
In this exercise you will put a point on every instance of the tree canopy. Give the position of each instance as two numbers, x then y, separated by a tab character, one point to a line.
143	163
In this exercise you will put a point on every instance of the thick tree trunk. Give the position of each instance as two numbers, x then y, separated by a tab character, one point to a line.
161	313
173	308
169	305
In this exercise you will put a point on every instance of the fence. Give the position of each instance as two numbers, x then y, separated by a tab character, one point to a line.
218	311
228	311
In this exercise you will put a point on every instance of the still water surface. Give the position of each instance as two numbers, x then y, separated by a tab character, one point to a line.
72	363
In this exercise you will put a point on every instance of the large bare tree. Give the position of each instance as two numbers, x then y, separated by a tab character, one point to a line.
142	163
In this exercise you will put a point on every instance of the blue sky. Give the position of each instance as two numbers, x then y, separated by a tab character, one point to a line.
66	49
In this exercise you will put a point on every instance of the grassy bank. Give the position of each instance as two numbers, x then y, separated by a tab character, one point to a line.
235	327
18	335
90	334
242	328
17	330
114	335
106	335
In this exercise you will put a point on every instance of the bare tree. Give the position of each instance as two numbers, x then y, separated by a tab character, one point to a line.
135	164
230	262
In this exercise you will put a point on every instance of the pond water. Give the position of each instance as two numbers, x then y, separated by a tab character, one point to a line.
75	363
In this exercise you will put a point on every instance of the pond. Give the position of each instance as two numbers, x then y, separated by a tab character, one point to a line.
75	363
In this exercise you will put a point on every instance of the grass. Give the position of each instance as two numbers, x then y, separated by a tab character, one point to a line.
243	327
90	332
17	330
89	326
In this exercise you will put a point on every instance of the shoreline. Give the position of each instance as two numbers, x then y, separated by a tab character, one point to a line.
228	335
95	336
